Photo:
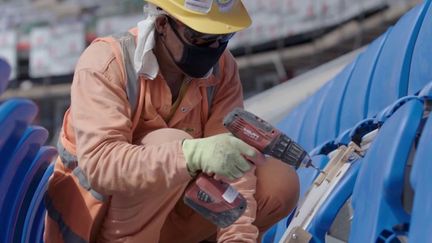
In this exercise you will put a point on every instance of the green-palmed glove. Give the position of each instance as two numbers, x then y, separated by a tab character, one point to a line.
220	154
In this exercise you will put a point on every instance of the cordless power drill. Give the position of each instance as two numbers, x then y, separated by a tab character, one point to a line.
219	202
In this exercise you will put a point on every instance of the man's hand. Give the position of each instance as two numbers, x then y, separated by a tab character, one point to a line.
221	154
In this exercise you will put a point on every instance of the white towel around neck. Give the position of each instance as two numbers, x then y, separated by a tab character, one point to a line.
145	61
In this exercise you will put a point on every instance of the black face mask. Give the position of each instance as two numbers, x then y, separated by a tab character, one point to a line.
196	61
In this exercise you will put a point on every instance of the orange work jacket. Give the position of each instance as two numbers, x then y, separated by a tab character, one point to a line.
101	131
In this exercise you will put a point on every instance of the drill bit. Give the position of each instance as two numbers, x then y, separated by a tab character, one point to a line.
316	168
307	161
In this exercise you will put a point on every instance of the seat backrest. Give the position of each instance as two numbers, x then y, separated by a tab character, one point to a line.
15	116
292	123
328	122
34	219
421	64
13	173
26	189
354	104
312	114
390	79
421	181
378	189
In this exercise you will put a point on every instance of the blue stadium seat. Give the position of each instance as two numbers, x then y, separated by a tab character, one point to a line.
328	211
389	111
292	123
5	71
307	130
26	188
390	79
13	172
15	115
34	219
394	66
421	65
421	181
355	103
377	193
329	103
328	124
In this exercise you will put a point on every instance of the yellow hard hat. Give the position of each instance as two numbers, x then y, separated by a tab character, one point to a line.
208	16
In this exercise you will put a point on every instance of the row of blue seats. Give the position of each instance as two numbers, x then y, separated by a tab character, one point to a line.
395	65
375	182
25	166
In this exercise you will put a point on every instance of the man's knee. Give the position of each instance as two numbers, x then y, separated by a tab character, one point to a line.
277	188
165	135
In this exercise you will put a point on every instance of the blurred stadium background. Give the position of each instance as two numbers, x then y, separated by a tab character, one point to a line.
42	40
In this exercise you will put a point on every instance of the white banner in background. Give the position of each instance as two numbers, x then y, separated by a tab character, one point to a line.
117	24
55	50
276	19
8	51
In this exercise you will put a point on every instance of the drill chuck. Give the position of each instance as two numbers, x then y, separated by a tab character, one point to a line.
288	151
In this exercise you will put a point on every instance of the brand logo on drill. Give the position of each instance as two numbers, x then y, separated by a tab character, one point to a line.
250	133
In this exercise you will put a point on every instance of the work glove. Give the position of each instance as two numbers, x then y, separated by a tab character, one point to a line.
221	154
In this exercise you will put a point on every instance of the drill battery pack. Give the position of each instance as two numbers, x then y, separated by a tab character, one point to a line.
215	200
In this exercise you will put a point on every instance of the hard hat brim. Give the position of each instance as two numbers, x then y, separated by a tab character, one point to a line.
214	22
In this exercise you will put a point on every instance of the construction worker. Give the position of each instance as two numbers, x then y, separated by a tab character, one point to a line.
130	146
